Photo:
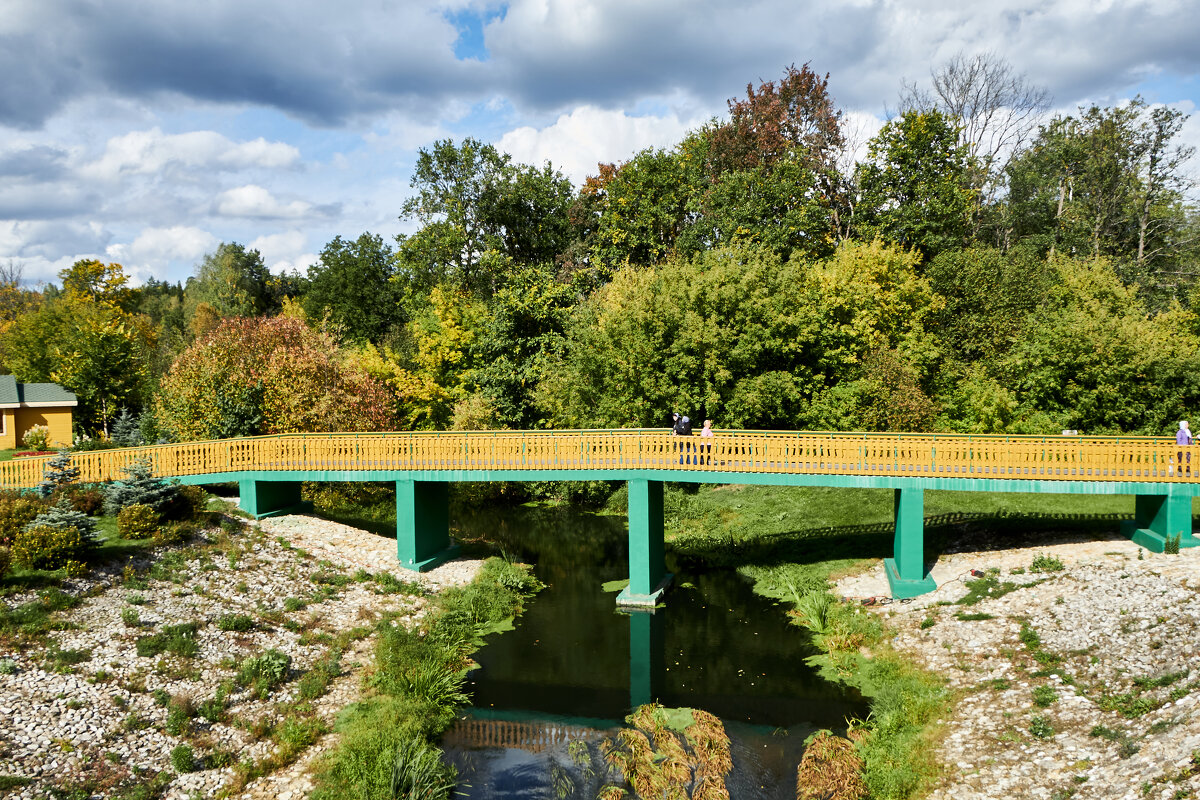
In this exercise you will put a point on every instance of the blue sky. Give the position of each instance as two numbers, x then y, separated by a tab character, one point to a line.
147	132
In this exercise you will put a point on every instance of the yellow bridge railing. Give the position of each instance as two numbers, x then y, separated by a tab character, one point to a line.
1135	459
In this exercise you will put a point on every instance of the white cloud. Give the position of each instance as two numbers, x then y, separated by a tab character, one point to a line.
149	254
283	252
152	151
578	141
255	201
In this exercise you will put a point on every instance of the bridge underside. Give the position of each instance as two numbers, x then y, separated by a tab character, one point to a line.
1163	511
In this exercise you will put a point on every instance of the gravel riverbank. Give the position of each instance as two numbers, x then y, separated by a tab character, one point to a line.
1079	681
89	711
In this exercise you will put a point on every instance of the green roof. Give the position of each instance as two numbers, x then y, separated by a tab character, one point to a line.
12	393
44	393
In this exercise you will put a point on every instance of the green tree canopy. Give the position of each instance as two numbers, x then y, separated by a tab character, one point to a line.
353	284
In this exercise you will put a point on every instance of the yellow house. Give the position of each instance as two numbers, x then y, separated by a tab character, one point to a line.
23	405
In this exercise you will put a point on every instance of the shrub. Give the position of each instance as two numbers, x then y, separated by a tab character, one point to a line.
179	717
177	639
137	521
45	547
87	500
37	437
5	561
141	486
418	771
1044	696
62	516
130	618
1045	563
264	672
16	511
183	759
1040	727
190	502
235	622
173	533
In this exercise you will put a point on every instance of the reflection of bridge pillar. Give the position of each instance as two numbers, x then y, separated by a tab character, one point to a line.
268	498
423	524
1157	517
648	576
646	657
906	570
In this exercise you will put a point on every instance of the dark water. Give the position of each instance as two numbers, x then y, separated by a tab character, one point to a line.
575	666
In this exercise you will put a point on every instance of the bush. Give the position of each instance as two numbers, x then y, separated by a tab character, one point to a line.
264	672
37	437
137	521
17	510
141	486
190	502
87	500
1045	563
46	547
5	561
235	622
177	639
62	516
183	759
173	533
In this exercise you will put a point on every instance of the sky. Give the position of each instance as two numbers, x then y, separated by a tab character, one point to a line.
147	132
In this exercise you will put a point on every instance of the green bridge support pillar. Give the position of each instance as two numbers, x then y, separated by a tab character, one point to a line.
906	570
1157	517
269	498
423	524
646	656
648	576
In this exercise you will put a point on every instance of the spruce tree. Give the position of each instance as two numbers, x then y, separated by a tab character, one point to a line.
63	515
126	430
140	487
58	474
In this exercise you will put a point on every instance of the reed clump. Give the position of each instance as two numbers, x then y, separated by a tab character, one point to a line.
831	769
675	754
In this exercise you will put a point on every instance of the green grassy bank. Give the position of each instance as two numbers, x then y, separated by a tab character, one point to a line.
792	541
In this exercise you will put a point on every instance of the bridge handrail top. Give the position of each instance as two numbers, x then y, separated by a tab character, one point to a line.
958	438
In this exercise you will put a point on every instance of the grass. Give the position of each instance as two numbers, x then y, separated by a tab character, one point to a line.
387	746
177	639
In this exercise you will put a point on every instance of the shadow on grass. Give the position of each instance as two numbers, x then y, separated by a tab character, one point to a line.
952	532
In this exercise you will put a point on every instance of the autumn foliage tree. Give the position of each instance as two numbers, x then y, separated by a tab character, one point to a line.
261	376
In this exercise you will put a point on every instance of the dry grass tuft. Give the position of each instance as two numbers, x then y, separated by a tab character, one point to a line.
830	770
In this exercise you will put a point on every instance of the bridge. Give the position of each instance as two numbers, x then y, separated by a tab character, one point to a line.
270	469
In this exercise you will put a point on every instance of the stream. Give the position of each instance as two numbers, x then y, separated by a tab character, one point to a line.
546	694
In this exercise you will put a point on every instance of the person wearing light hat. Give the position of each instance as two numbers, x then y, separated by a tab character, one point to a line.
1183	438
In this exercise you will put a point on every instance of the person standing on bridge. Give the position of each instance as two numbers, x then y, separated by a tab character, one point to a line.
1183	438
706	447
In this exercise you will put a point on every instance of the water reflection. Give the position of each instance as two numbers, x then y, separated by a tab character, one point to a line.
715	646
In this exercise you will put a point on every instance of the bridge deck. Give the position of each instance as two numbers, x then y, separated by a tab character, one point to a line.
270	469
617	454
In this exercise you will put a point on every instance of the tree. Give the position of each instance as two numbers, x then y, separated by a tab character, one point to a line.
914	185
523	329
232	281
91	281
1108	182
479	213
996	110
91	348
352	284
251	376
737	335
